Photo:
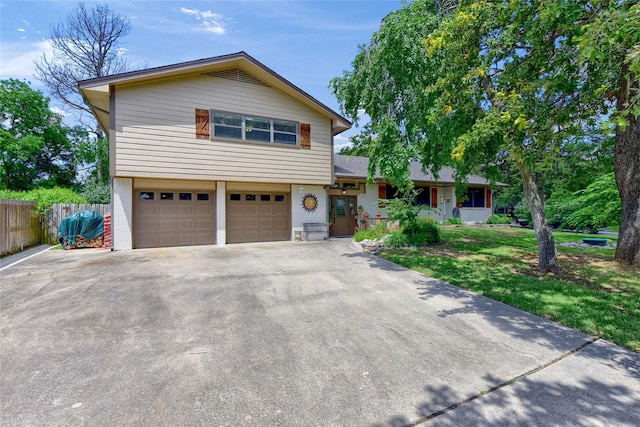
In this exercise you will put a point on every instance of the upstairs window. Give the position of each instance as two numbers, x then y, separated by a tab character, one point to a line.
227	126
258	129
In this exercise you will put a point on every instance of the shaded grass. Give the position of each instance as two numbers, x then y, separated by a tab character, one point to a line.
593	293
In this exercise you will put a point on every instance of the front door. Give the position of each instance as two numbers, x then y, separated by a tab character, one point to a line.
343	212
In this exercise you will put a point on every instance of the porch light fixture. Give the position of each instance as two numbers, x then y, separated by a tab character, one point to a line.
301	191
344	191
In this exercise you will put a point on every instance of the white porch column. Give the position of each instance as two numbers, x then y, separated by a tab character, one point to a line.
122	213
221	213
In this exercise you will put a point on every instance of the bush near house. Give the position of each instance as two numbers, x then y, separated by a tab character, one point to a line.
499	219
454	221
420	232
376	232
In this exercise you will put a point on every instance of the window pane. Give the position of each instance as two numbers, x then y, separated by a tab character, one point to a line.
285	138
185	196
250	197
475	198
265	197
146	195
392	192
423	197
227	119
235	197
478	198
203	196
279	197
258	135
257	124
227	132
341	207
289	127
166	196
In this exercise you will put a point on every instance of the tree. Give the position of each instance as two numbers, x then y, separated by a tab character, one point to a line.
387	82
491	79
611	44
596	206
35	147
85	45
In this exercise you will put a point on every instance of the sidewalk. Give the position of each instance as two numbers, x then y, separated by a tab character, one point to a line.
21	256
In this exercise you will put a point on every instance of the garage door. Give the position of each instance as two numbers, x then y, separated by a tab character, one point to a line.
173	218
258	217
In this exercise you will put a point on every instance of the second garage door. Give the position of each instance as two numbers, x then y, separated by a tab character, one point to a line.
258	217
173	218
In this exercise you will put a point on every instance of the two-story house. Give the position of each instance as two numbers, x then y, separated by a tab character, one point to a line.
214	151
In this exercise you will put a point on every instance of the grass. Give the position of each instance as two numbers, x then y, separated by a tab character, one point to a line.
593	293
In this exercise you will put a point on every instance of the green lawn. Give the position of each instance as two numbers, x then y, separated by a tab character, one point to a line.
593	294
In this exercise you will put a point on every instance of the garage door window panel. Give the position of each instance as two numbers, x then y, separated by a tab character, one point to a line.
185	196
203	197
166	196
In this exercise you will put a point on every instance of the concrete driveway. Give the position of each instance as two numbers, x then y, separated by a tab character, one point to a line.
286	334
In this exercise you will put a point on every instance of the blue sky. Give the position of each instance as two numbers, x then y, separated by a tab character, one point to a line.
307	42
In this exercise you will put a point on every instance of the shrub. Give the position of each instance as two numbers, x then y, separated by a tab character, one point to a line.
422	232
499	219
397	240
454	221
376	232
45	197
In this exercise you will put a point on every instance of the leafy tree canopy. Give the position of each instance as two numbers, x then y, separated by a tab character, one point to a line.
36	148
493	84
45	197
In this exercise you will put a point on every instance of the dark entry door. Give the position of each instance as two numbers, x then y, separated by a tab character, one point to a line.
343	211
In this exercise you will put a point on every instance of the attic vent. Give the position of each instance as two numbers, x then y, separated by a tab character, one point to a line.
238	75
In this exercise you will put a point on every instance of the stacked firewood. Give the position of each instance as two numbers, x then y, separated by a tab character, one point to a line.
81	242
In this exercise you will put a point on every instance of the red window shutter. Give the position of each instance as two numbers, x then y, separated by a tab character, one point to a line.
434	197
382	191
488	195
202	123
305	136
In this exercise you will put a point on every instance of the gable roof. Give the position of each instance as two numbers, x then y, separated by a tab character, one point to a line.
356	167
96	91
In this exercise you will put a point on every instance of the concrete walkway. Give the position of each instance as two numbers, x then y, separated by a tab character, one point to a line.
21	256
287	334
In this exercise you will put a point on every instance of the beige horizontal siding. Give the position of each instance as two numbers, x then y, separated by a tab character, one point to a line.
155	134
252	186
165	184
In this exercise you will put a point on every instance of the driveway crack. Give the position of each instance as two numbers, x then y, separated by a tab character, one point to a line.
503	384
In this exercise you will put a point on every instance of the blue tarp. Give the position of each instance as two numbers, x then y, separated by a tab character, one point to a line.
88	224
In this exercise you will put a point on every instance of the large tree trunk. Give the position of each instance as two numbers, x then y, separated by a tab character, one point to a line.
627	170
547	255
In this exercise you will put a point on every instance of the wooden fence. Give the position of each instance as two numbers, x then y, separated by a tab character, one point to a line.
53	217
19	224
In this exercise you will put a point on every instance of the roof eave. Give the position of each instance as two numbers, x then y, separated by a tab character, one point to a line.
240	59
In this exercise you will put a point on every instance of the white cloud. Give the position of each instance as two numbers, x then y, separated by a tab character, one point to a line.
211	22
121	51
17	58
21	30
339	142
